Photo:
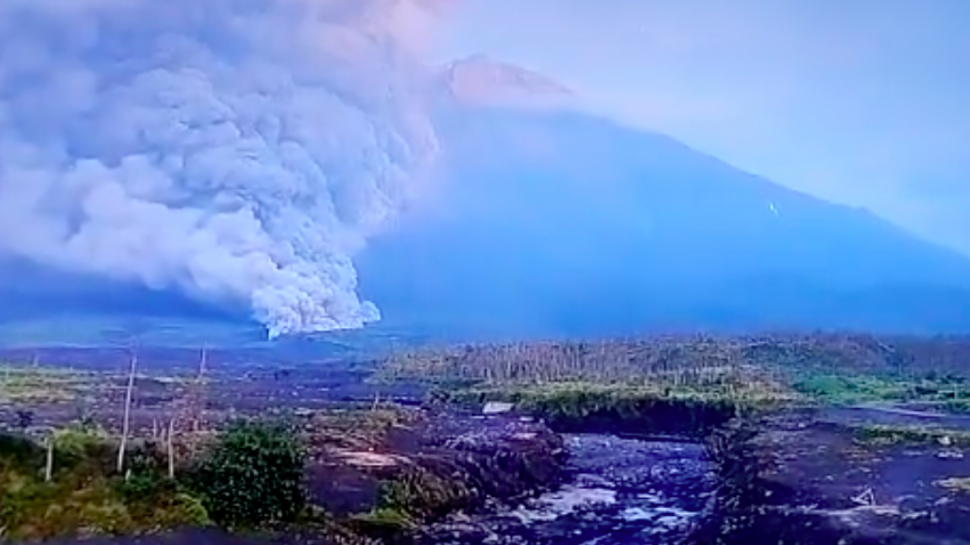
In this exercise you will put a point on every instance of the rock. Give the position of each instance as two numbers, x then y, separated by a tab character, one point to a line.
494	407
461	463
949	455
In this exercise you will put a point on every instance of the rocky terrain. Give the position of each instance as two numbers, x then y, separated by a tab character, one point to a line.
869	474
799	439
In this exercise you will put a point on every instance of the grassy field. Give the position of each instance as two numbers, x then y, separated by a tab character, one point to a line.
31	383
846	388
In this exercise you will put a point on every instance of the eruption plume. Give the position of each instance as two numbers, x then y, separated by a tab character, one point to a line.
241	151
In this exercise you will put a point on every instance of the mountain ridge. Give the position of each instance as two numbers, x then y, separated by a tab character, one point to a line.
648	212
481	80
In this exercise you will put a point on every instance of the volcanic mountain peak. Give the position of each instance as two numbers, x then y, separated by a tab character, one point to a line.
481	80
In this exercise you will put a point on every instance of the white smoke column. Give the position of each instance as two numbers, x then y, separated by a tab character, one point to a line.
241	151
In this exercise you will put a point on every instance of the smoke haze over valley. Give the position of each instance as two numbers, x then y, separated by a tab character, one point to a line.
311	165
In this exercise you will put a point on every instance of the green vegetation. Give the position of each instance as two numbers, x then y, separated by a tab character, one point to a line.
360	429
849	388
675	362
385	519
253	475
570	384
249	478
418	493
393	514
878	434
76	440
655	406
826	368
24	384
83	496
412	495
590	396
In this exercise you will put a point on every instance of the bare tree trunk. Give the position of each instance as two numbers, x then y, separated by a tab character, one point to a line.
49	467
198	396
127	422
170	448
203	358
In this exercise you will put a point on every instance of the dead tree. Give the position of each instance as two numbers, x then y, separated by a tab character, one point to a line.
126	422
49	466
198	394
170	448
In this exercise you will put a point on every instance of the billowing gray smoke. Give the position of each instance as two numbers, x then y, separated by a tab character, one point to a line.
241	151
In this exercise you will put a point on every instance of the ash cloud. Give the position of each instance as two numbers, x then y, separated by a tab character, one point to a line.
239	151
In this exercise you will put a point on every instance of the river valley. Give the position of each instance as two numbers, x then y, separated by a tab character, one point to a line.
618	491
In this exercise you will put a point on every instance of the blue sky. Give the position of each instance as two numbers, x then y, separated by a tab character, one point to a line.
865	102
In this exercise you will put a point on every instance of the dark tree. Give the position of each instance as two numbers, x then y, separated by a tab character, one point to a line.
254	475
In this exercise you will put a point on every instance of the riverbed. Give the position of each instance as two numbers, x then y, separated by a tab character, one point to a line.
618	491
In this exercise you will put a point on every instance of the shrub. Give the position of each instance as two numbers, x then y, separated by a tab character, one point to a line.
19	453
85	496
77	441
253	475
145	488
